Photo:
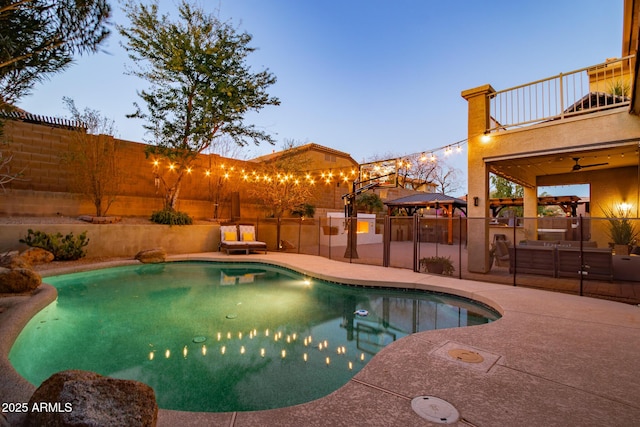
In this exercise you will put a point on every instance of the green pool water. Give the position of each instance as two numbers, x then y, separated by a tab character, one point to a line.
224	337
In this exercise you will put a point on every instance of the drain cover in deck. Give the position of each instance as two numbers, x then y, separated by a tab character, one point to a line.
435	409
466	355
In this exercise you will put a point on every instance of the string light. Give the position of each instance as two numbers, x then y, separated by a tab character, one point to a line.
365	172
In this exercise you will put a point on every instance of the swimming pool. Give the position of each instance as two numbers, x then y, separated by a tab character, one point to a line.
224	337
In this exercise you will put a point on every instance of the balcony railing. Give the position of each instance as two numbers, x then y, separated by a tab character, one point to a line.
595	88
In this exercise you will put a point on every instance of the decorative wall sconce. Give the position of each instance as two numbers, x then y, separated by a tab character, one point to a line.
625	208
476	201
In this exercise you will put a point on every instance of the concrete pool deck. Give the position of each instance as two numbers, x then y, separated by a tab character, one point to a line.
553	359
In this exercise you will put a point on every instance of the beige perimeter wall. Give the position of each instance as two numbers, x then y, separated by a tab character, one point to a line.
45	186
122	240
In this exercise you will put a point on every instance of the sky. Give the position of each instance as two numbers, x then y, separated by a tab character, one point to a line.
372	78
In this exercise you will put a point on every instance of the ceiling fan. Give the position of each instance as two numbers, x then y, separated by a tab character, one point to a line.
578	166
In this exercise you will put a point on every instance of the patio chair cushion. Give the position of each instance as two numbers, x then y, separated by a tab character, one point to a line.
247	233
230	236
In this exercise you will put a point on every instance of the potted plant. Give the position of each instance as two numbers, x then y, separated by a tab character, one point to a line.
622	230
437	265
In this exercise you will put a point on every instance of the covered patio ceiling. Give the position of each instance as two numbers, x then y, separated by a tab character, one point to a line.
562	161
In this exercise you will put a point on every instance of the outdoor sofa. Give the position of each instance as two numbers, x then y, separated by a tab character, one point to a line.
562	258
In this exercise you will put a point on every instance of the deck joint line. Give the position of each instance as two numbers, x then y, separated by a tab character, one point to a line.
384	390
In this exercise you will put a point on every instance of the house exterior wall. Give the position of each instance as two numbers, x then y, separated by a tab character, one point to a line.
607	186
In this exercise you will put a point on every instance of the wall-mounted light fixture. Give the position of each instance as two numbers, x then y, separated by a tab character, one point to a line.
476	201
625	208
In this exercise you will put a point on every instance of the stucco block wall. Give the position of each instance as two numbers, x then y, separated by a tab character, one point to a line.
45	187
122	240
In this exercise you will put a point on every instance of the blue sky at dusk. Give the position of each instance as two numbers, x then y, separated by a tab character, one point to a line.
369	77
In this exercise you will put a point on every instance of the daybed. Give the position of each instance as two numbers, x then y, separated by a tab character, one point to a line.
240	238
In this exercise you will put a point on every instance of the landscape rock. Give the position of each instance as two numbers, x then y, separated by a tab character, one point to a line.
18	280
100	219
151	256
13	260
37	256
82	398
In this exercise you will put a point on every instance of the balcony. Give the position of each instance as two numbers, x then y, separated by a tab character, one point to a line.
596	88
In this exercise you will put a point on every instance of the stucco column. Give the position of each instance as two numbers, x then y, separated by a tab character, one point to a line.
530	212
478	260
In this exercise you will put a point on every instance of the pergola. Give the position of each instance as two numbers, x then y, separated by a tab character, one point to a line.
447	204
568	204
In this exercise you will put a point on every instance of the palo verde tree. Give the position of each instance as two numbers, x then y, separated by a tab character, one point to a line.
93	158
201	86
41	37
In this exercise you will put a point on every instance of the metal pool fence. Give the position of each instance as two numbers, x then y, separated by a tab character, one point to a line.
568	254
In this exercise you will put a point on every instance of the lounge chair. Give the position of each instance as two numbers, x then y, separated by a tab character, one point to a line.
229	239
248	237
502	253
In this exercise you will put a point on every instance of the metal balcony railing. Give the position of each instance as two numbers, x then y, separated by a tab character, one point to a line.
595	88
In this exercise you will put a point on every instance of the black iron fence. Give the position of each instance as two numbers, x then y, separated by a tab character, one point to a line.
576	255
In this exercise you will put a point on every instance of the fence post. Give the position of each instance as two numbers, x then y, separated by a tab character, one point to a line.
582	266
416	242
386	241
459	247
515	249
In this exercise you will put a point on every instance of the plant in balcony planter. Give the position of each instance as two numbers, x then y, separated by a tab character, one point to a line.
437	265
622	231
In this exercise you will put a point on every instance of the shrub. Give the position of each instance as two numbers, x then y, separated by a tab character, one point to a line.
171	217
438	265
304	210
63	248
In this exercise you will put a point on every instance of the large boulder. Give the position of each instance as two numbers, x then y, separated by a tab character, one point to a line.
151	256
18	280
13	260
37	256
82	398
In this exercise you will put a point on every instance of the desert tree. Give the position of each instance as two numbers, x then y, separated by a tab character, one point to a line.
369	202
416	172
503	188
7	173
222	172
200	85
92	158
280	185
41	37
445	179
